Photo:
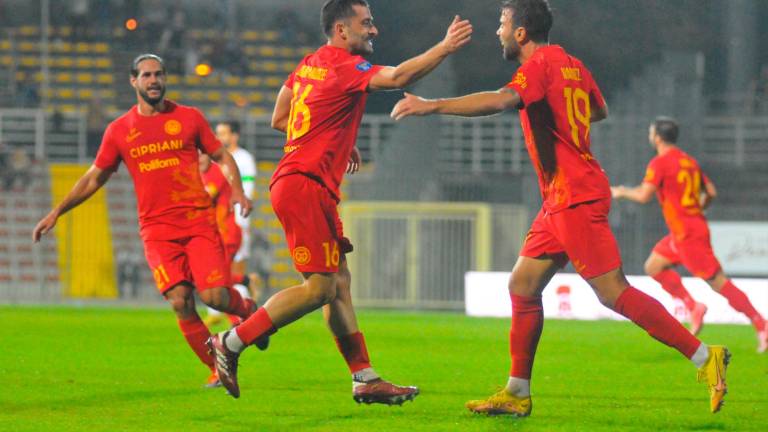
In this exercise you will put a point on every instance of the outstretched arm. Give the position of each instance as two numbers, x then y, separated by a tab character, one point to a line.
86	186
471	105
390	78
223	158
641	194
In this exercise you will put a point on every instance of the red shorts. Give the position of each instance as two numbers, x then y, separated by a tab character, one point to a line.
694	253
199	259
311	222
580	233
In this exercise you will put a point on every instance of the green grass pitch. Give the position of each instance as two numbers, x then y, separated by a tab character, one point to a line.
100	369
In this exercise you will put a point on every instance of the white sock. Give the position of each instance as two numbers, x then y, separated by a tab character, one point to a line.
363	376
519	387
233	342
701	355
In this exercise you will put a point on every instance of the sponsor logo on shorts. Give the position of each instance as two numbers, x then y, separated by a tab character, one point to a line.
172	127
214	276
301	255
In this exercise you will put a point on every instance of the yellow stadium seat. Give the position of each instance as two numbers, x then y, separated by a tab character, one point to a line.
283	253
5	45
6	60
267	51
215	112
266	209
288	66
250	50
29	31
105	79
174	94
274	82
29	61
83	62
270	35
213	96
85	93
280	267
249	35
195	95
38	77
100	47
232	81
64	47
103	63
65	93
82	47
108	94
65	31
68	108
64	62
257	111
26	46
275	224
255	97
252	81
266	166
63	77
84	78
192	80
173	80
269	66
20	76
259	224
286	52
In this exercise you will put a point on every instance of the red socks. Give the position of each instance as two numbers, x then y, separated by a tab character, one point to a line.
257	325
196	333
524	334
650	315
238	305
672	283
352	347
739	301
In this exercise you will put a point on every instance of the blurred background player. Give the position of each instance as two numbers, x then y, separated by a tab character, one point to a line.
558	100
684	192
228	132
319	108
159	140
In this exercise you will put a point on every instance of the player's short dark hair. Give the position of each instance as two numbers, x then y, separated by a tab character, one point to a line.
666	128
335	10
233	125
533	15
146	56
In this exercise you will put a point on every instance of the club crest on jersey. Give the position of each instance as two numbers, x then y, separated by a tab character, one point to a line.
172	127
364	66
301	255
520	80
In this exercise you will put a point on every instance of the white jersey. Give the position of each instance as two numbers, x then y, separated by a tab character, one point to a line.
246	164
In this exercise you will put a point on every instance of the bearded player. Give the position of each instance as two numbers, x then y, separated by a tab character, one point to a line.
159	140
558	100
684	191
320	108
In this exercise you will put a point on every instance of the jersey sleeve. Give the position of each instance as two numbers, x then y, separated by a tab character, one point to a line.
356	73
530	82
108	157
653	173
206	140
289	81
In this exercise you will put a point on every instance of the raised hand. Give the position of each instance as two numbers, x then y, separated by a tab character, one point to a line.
44	226
459	34
353	165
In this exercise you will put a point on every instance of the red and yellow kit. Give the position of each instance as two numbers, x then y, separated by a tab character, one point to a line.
221	192
558	94
176	217
329	95
678	180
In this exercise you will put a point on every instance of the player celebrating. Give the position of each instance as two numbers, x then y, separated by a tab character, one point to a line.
676	179
558	100
228	133
319	109
158	140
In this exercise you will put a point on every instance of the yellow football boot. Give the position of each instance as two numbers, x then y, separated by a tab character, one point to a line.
502	403
713	372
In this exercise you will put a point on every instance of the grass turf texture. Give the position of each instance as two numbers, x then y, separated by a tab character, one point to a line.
113	369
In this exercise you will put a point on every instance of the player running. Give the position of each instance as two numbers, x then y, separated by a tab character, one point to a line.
158	140
320	108
684	191
558	100
228	133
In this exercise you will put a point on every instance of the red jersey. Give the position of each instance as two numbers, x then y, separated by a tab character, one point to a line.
678	180
329	95
161	154
221	192
558	94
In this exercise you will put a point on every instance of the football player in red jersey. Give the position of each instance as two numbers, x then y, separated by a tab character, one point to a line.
558	100
320	108
158	141
684	191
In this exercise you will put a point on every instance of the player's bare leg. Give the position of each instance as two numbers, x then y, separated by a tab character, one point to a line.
195	332
367	386
528	279
739	301
614	292
662	270
280	310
